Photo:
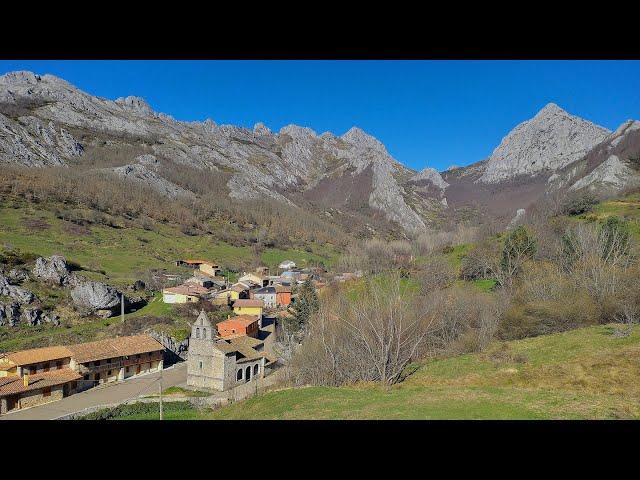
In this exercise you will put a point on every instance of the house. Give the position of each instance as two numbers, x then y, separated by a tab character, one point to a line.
210	268
287	265
183	293
41	375
240	325
115	359
283	295
267	295
254	278
31	390
291	275
226	296
241	288
248	307
220	364
202	281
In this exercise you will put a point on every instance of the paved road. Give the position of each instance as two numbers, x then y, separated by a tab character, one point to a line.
115	393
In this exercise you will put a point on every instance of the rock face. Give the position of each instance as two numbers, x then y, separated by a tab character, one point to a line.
141	173
9	314
38	112
346	177
19	294
95	296
54	270
549	141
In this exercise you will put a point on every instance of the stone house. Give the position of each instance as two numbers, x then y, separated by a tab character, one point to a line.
42	375
222	363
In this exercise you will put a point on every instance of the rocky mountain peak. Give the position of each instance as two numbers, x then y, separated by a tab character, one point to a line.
138	104
550	109
261	129
20	77
549	141
296	131
362	140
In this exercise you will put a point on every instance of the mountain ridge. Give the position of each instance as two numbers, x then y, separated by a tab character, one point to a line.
46	121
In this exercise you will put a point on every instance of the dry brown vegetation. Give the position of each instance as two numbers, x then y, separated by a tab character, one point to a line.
94	196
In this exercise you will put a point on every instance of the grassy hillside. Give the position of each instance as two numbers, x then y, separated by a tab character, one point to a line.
586	373
117	253
120	253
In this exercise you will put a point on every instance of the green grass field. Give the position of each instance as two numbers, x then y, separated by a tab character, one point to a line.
585	373
121	255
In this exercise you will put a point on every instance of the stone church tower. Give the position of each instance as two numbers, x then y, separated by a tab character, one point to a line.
211	363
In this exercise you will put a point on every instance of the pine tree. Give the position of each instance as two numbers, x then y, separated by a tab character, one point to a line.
306	304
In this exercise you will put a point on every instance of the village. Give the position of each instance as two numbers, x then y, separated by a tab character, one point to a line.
221	356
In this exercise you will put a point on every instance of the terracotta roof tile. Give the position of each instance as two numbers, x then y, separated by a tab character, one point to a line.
37	355
15	384
192	289
114	347
248	303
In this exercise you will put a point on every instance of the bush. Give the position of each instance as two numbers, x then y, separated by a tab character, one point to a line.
579	204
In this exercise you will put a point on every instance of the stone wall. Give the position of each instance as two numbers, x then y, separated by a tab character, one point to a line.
35	397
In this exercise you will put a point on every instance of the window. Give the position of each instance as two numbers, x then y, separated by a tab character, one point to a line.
46	392
256	369
197	333
204	333
239	375
109	372
200	365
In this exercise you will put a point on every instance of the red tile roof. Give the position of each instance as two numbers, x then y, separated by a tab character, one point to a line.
248	303
192	289
114	348
14	384
37	355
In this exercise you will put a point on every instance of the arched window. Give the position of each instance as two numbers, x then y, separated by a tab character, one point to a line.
239	375
256	369
197	333
204	333
248	374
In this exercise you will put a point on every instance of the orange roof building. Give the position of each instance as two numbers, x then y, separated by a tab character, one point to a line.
241	325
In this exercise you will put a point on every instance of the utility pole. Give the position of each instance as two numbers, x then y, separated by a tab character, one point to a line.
160	390
122	306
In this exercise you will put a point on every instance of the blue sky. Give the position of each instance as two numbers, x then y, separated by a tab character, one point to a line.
427	113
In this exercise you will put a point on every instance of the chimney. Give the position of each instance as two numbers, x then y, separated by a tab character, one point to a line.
25	380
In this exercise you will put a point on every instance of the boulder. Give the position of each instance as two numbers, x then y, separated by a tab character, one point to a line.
17	275
19	294
51	318
11	313
53	269
32	316
95	296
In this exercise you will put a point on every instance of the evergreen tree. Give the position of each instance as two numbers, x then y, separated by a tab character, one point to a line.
306	304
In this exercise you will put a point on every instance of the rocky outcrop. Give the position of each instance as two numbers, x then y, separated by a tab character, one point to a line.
19	294
54	270
145	175
9	314
612	175
263	164
549	141
93	296
432	176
